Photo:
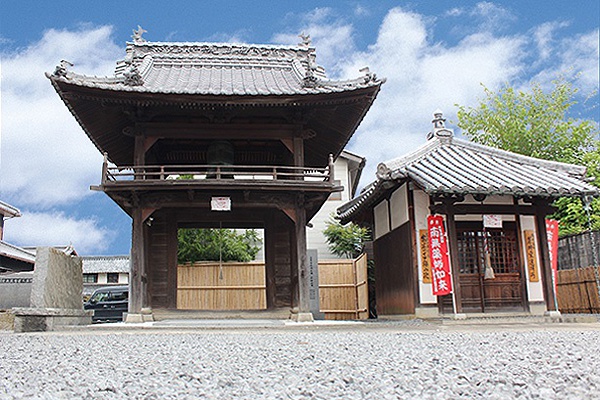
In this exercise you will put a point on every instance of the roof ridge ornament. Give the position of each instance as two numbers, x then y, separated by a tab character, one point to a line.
306	40
62	68
439	126
132	76
137	35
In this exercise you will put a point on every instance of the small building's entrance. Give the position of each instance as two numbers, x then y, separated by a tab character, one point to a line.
500	246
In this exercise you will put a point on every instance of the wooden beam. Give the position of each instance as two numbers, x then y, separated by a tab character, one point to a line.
181	130
462	209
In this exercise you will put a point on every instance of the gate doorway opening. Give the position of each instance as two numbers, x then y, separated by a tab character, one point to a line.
220	269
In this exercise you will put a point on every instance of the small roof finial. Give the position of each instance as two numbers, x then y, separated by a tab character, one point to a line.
439	126
306	40
137	35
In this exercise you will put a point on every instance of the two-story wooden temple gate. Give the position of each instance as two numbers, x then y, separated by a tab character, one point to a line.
256	126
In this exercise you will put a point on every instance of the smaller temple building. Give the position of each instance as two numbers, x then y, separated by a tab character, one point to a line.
497	266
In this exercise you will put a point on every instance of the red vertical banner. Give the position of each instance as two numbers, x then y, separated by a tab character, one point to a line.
438	250
552	232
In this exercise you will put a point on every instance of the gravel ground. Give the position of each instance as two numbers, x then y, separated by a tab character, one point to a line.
329	364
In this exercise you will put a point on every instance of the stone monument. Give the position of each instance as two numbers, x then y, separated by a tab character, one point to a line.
56	294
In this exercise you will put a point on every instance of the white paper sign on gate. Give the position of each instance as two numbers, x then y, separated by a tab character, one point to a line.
220	204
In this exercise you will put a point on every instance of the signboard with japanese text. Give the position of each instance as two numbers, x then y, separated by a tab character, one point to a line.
530	253
425	260
220	204
438	252
552	232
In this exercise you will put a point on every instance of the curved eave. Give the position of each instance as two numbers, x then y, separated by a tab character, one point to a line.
99	112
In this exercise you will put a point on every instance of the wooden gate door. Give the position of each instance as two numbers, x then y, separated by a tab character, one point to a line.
505	290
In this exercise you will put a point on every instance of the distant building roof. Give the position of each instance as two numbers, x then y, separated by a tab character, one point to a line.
16	252
68	249
9	211
446	165
217	69
105	264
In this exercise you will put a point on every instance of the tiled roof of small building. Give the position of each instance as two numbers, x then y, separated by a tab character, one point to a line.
15	252
105	264
217	69
447	165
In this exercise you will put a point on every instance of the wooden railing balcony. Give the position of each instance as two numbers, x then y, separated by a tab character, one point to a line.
230	174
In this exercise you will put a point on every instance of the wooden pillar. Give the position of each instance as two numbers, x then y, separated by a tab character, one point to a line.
172	243
454	260
298	152
299	248
138	280
1	226
546	267
270	260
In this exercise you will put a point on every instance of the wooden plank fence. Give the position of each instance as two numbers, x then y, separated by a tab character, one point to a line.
578	291
231	286
241	286
343	289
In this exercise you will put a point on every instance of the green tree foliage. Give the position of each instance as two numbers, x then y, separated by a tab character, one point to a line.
346	240
538	123
208	244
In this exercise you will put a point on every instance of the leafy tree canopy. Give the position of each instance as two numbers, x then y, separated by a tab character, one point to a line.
346	240
211	244
538	123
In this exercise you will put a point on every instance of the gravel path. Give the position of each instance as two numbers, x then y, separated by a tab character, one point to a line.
335	364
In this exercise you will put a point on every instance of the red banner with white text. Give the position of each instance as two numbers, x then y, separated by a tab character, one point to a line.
552	232
440	263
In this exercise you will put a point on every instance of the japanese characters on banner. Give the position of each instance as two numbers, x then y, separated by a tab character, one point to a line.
438	250
552	232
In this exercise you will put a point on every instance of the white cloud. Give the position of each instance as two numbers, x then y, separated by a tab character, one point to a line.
544	37
492	16
331	37
47	160
57	229
424	74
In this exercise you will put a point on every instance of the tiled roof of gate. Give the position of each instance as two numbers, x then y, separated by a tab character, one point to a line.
105	264
217	69
447	165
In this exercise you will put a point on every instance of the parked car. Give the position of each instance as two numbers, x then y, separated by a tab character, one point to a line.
109	303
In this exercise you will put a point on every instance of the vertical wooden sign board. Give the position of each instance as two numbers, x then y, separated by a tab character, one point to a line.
530	252
440	261
313	284
425	259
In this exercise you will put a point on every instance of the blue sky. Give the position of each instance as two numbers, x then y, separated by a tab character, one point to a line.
434	54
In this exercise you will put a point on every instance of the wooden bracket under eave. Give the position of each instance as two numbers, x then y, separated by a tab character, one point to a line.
289	144
146	213
291	213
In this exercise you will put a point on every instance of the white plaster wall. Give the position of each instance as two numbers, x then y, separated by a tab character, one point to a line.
534	289
123	278
381	218
102	278
314	236
399	206
421	209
